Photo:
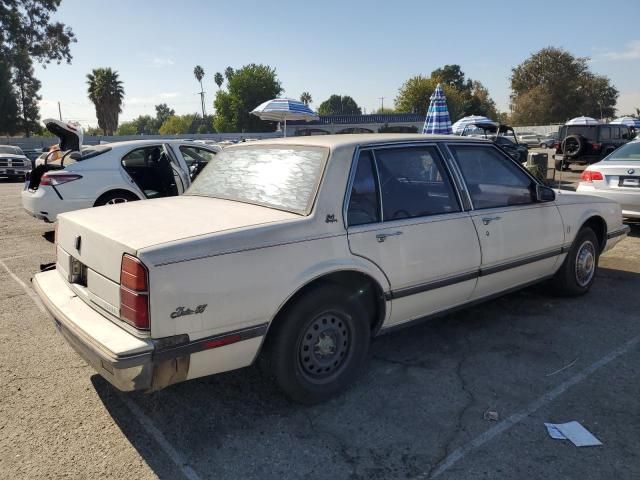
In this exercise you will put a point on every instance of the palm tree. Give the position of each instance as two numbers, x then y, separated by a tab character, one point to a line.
228	73
218	78
107	93
198	71
306	98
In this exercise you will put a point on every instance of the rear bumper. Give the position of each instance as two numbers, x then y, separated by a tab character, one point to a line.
45	204
629	201
95	338
132	363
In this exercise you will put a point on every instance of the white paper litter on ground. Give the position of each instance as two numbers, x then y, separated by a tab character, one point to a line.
574	431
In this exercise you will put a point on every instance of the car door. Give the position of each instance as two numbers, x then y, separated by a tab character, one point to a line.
521	239
180	170
195	158
404	215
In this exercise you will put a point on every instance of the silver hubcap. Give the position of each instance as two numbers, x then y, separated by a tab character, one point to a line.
585	263
324	346
115	201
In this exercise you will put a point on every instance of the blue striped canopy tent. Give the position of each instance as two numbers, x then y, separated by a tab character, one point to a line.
437	121
583	121
628	121
283	109
459	126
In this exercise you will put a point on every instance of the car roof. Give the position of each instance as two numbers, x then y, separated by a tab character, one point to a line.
353	140
135	143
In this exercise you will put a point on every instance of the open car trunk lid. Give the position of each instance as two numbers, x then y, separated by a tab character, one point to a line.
70	136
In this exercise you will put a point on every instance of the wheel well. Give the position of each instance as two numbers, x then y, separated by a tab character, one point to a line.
119	191
599	227
361	286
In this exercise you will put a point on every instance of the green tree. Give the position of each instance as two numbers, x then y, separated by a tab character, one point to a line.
27	87
27	34
339	105
563	83
219	79
127	128
177	124
162	113
107	94
385	110
415	95
479	101
305	98
8	103
453	76
198	72
228	73
247	88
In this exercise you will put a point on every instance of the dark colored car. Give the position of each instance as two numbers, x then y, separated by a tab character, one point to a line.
503	136
587	144
549	141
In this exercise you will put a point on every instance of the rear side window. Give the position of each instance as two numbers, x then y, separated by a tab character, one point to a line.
414	183
492	179
364	204
605	133
588	132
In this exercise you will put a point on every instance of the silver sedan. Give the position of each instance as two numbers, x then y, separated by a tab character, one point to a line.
617	177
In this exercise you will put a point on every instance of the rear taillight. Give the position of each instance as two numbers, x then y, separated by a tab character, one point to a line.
134	292
591	175
596	147
56	179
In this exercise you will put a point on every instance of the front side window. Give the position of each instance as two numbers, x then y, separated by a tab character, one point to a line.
492	179
284	178
414	183
364	204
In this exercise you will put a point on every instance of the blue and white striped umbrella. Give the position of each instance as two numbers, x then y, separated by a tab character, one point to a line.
459	126
583	121
437	121
283	109
628	121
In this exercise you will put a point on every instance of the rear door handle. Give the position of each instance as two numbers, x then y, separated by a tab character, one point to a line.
488	220
381	237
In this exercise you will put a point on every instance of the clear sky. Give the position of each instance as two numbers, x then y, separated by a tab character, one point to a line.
365	49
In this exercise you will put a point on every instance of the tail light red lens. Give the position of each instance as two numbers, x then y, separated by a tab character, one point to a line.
134	292
56	179
596	147
591	175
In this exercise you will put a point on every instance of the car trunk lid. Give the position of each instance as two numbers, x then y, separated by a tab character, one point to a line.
618	175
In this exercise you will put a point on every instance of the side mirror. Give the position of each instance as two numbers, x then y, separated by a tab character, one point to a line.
545	194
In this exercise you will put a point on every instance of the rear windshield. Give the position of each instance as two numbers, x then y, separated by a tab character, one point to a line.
626	153
10	150
87	152
589	132
285	178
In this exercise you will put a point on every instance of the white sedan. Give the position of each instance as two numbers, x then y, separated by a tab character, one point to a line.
616	177
90	176
297	251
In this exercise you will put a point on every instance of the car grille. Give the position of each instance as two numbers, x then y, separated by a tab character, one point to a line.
12	162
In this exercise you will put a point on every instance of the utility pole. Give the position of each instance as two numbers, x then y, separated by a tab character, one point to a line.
381	103
59	111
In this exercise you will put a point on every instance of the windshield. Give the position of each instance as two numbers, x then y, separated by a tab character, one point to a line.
588	132
10	150
627	153
285	178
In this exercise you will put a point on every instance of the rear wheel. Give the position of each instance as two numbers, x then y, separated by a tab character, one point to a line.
578	271
115	197
319	346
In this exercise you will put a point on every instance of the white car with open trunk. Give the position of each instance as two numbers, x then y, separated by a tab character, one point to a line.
83	176
297	251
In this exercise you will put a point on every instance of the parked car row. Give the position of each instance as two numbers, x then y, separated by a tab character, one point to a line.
294	253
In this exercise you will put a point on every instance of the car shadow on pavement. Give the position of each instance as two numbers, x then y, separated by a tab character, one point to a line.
635	229
425	389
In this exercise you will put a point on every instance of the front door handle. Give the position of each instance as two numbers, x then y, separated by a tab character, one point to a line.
488	220
381	237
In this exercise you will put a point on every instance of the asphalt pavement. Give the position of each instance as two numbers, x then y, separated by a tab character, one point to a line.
460	397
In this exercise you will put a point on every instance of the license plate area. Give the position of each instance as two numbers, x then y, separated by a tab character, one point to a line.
629	182
77	272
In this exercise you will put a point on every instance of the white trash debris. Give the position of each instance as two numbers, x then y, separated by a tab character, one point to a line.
574	431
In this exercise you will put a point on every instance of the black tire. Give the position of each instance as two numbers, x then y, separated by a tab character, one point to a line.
318	346
573	146
571	279
114	197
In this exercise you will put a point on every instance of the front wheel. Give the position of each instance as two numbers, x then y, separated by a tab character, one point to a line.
319	345
578	271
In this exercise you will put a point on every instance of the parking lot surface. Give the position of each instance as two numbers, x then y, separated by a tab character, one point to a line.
420	411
